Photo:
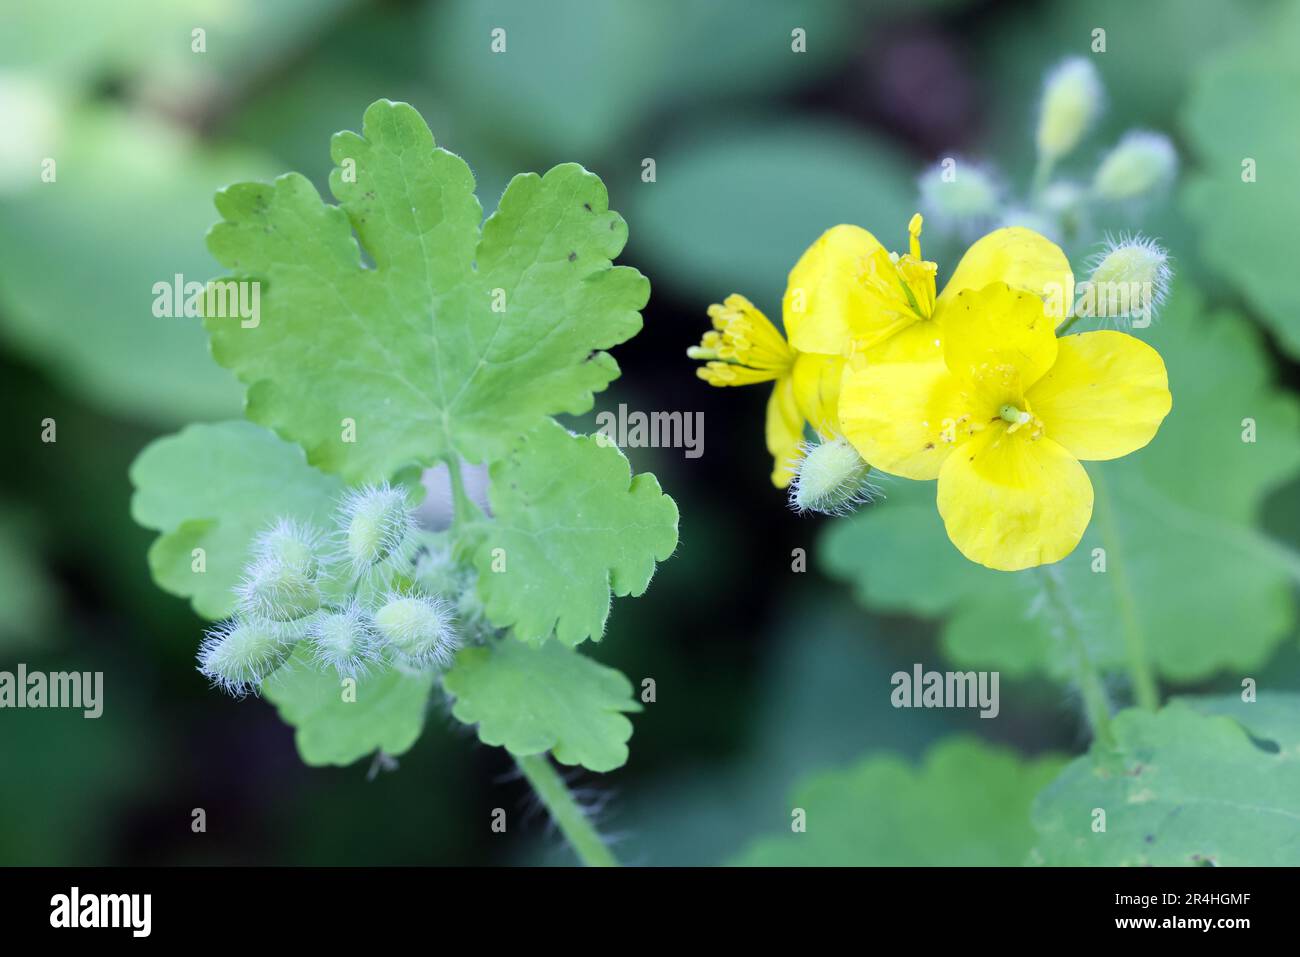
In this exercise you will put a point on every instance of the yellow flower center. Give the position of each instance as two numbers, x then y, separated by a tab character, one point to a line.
902	286
743	347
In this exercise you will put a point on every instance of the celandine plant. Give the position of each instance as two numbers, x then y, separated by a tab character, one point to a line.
400	332
975	404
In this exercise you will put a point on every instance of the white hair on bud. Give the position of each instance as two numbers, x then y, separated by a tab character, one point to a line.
237	656
1129	262
831	478
376	526
278	590
1073	97
417	629
1142	164
963	198
292	542
344	639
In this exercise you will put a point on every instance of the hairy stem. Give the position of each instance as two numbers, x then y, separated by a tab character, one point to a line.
1145	690
1095	703
565	812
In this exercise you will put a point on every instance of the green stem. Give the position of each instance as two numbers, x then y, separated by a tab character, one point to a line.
1095	702
1042	171
1064	327
1145	690
465	509
564	811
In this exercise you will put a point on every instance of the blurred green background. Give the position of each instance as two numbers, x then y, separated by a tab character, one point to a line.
763	674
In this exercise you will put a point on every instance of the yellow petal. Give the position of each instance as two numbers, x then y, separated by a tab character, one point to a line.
1011	502
903	417
918	342
1105	396
1019	257
817	391
998	342
824	299
784	431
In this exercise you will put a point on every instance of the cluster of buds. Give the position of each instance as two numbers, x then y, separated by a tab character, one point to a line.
352	598
966	198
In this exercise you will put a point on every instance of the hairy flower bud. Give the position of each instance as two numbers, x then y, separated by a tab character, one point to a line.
1072	98
959	193
377	525
345	640
277	590
1129	281
290	544
831	478
1049	226
1140	164
437	571
417	629
237	656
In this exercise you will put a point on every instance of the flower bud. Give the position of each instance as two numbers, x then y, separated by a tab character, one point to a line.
344	640
831	478
437	572
959	192
1140	164
417	629
1072	97
1130	279
237	656
290	544
377	525
1045	225
277	590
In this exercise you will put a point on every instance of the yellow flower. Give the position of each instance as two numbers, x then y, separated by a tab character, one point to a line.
1003	420
850	296
744	348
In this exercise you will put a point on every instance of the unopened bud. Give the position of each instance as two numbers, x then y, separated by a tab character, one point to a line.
1140	164
290	544
959	192
831	478
377	523
1072	98
277	590
417	629
1129	280
237	656
345	640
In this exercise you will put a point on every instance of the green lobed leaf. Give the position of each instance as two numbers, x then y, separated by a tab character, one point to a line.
333	727
570	524
966	805
412	350
1188	574
530	699
214	487
1205	781
1246	227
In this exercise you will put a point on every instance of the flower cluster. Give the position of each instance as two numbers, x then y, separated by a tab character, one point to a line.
967	198
373	592
977	386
